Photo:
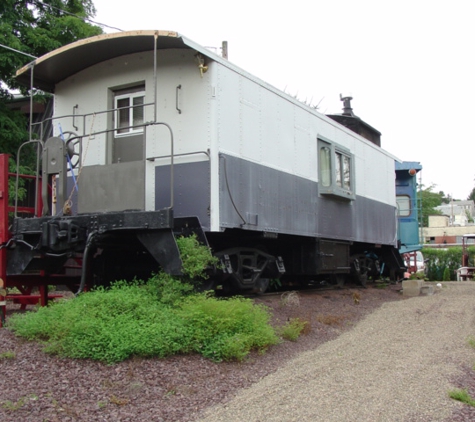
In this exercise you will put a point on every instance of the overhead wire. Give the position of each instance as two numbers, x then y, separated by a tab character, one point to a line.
66	13
39	4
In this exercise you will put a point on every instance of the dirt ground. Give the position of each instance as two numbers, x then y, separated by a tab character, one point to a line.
38	387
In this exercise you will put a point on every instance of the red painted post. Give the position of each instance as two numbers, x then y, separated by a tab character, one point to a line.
4	236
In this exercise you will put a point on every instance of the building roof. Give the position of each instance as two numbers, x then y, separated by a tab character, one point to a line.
53	67
408	165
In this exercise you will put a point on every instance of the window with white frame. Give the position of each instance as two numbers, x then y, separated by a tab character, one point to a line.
336	170
129	115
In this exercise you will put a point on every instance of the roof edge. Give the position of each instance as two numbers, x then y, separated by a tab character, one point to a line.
92	40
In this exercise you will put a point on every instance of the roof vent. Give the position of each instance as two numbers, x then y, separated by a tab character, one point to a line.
347	110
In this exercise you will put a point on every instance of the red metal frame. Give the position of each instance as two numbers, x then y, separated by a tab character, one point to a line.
410	259
25	284
4	235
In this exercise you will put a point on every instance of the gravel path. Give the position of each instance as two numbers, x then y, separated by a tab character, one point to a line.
398	364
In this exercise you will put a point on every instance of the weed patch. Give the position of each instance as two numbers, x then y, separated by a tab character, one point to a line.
462	396
290	299
7	355
22	401
293	328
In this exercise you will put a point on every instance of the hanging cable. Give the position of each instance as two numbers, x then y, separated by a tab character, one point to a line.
76	16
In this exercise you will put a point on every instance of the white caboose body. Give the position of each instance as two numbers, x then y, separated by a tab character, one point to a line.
161	123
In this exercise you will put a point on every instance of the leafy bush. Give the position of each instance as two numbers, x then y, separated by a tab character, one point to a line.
161	317
196	258
167	289
105	324
445	261
113	324
224	329
293	328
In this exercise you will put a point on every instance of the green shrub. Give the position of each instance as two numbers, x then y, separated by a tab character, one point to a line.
167	289
446	276
113	324
440	260
105	324
196	258
225	329
293	328
161	317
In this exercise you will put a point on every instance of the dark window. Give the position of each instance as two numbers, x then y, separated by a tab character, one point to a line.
336	172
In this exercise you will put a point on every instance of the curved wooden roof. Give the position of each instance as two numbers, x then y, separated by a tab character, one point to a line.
59	64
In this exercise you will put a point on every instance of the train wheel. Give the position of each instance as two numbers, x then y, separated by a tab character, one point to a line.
340	280
261	286
206	285
360	267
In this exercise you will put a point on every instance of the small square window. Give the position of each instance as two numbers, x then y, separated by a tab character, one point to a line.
336	172
129	106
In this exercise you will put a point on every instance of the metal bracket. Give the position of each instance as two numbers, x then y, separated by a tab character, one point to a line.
176	100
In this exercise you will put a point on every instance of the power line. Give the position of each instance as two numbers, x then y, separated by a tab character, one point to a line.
76	16
18	51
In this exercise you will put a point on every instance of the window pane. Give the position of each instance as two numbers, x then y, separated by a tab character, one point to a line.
137	112
403	205
123	115
346	172
338	167
325	166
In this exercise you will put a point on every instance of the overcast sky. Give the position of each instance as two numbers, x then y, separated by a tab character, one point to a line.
409	65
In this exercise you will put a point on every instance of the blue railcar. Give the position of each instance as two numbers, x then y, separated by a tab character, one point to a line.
409	209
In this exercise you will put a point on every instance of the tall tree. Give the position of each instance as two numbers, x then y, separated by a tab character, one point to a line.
471	196
33	27
430	200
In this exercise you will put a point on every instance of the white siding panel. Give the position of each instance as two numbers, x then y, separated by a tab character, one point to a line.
228	110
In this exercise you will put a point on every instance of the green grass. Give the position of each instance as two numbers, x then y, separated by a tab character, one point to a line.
462	396
7	355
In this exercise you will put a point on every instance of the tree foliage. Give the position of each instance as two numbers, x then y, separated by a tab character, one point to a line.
442	263
430	200
471	196
33	27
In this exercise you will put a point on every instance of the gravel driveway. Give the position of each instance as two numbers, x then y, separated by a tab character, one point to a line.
384	358
398	364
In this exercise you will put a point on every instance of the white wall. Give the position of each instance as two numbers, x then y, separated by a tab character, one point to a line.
89	90
266	126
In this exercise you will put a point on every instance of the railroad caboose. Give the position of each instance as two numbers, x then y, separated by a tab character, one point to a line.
156	136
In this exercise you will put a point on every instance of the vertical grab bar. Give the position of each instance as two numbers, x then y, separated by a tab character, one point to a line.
176	102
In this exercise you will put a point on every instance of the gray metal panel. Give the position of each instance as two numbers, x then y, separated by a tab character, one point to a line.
256	197
282	202
128	148
114	187
191	192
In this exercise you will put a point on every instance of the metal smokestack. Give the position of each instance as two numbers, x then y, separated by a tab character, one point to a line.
347	110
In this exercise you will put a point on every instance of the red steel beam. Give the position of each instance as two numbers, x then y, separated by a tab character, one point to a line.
4	235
